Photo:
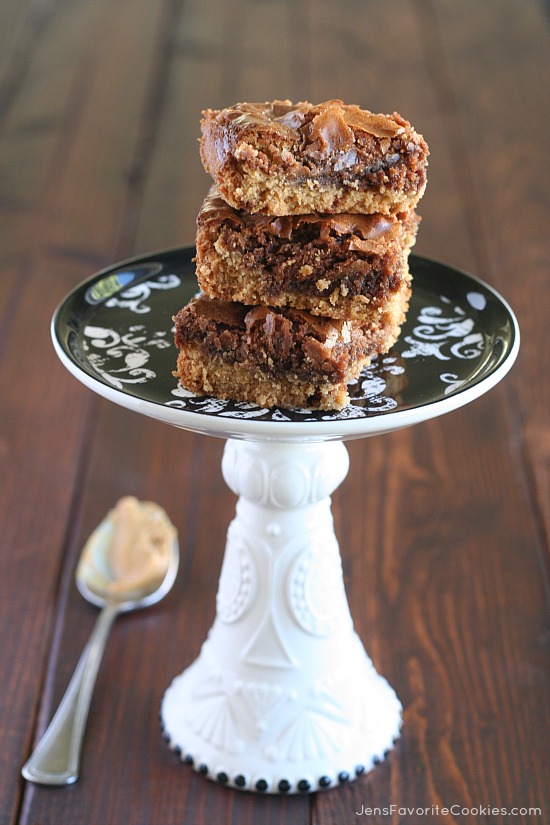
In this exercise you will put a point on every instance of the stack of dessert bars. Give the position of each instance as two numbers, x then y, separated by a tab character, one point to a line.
302	251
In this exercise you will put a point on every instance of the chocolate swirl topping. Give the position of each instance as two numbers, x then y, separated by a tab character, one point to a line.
363	227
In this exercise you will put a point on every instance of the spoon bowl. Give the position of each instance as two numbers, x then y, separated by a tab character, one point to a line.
100	583
129	562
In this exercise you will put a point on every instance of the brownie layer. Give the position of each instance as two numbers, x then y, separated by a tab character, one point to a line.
282	158
277	356
340	266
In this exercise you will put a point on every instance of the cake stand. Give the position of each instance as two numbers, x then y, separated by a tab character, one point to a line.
283	697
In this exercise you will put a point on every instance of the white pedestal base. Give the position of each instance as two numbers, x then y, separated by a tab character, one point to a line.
282	698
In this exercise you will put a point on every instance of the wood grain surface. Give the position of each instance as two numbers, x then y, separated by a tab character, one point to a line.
444	528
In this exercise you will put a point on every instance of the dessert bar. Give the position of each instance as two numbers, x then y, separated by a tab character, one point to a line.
281	158
340	266
277	356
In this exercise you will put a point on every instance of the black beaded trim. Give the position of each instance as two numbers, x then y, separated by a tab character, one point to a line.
262	785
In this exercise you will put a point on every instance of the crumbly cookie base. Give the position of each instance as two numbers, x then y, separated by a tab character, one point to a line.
207	374
223	272
275	194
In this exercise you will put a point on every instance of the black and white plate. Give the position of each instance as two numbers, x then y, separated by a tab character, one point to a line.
114	332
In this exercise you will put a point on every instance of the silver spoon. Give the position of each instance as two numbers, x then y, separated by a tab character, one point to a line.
130	561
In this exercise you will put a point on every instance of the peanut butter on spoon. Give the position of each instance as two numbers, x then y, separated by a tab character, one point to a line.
129	551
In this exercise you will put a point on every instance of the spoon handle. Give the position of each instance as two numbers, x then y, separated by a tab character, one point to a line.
56	758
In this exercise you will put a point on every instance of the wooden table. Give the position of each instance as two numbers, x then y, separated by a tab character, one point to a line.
444	528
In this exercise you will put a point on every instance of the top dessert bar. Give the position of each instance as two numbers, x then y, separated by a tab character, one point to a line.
282	158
